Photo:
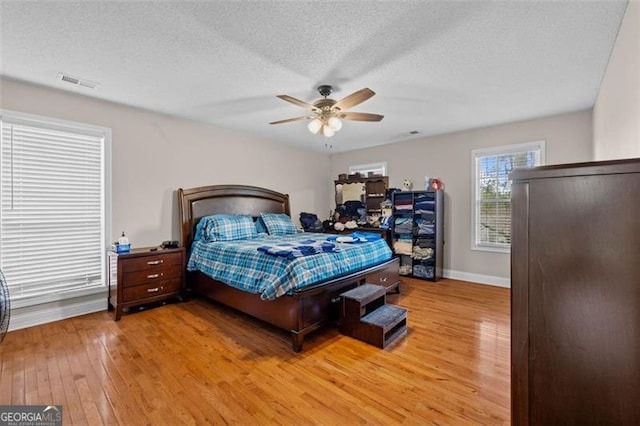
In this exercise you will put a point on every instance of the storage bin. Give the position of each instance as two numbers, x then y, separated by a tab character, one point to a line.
121	248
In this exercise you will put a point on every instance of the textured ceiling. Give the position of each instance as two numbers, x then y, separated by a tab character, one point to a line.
436	66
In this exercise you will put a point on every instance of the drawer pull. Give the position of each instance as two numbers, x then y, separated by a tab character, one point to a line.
153	290
155	275
155	262
335	299
383	279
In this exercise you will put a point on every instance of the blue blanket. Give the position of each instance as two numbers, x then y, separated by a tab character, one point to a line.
303	248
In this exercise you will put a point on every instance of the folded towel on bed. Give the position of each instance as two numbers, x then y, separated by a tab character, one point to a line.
303	248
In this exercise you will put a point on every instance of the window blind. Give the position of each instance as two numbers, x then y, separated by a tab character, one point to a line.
52	220
493	191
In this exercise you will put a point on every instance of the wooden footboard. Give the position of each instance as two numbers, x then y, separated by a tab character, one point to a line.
303	311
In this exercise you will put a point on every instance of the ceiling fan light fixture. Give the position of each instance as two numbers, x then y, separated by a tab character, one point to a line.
328	131
335	123
314	126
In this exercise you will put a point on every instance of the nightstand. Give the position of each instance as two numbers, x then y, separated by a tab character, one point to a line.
143	276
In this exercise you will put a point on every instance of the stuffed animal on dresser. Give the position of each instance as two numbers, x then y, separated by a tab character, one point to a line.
407	185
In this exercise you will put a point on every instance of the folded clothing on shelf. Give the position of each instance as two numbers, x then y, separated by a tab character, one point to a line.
422	253
424	271
403	225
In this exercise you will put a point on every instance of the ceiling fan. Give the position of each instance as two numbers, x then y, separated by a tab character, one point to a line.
328	112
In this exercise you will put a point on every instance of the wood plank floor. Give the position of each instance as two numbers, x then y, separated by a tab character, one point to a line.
200	363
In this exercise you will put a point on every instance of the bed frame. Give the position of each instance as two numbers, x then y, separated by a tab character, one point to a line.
299	313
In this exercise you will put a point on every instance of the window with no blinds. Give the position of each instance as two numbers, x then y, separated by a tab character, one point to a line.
52	206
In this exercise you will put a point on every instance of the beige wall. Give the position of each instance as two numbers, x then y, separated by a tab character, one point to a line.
568	139
616	114
153	155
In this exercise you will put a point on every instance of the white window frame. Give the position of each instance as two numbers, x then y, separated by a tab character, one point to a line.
15	117
364	169
476	156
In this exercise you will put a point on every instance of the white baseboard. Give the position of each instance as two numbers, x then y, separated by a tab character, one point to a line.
477	278
29	316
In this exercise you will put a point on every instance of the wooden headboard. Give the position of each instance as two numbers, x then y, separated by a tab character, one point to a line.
231	199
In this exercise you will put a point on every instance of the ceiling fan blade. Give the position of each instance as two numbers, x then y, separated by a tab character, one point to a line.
360	116
354	99
298	102
289	120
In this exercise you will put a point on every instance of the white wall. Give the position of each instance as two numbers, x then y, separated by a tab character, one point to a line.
568	139
152	156
616	114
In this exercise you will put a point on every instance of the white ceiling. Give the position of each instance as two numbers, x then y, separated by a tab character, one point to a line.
436	66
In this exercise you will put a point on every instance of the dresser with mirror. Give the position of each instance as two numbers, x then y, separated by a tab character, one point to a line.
371	192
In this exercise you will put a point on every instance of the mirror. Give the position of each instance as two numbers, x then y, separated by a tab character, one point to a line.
349	192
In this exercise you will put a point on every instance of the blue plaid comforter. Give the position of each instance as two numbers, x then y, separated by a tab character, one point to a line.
240	264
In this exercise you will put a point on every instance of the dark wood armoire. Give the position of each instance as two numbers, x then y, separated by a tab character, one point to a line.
575	294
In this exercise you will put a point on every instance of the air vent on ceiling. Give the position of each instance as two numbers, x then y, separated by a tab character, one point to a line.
78	81
410	134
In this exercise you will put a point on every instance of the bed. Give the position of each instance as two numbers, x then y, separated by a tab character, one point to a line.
299	311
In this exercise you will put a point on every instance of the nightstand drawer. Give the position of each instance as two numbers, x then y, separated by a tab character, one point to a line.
155	261
151	289
149	276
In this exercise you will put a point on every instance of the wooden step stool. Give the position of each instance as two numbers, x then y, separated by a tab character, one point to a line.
366	316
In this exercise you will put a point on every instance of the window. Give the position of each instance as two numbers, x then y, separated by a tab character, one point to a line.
53	204
364	169
492	192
